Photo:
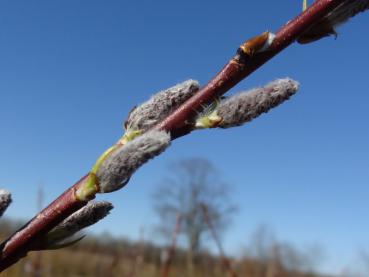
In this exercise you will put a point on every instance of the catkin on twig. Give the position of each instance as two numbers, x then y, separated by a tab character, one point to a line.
90	214
243	107
118	167
5	200
328	24
160	105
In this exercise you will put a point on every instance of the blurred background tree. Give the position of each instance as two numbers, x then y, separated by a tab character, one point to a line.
191	183
280	258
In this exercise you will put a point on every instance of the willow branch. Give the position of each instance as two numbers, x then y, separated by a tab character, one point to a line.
178	124
239	67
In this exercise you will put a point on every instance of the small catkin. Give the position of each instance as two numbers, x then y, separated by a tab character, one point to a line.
160	105
345	11
5	200
328	24
118	167
90	214
244	107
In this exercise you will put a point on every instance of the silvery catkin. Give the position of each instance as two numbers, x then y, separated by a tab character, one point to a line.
5	200
327	25
160	105
118	167
88	215
243	107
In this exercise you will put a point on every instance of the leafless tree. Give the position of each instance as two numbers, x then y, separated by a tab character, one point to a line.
191	183
278	258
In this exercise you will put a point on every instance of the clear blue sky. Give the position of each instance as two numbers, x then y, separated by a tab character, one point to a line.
71	70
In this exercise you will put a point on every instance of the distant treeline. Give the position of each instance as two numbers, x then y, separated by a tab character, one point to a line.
108	256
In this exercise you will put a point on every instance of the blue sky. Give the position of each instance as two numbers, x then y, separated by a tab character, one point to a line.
71	70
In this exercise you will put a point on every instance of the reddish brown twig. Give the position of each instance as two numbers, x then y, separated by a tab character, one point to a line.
178	124
172	249
225	261
37	261
240	67
16	247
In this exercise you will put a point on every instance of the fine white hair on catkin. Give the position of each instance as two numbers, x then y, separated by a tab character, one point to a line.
119	166
243	107
346	10
88	215
5	200
146	115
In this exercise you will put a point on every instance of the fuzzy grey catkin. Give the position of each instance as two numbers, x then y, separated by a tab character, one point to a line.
88	215
243	107
341	14
328	24
118	167
160	105
5	200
